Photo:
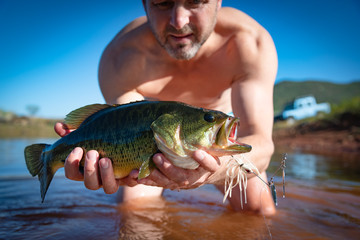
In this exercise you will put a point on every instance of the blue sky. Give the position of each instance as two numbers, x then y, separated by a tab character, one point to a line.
50	50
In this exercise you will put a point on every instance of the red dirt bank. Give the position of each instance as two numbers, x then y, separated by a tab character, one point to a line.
325	137
325	141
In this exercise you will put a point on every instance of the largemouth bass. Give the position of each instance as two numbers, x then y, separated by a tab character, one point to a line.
131	134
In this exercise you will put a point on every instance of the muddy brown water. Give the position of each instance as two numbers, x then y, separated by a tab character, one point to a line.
322	202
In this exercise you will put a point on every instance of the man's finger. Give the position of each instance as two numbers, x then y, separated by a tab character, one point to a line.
109	183
156	178
72	165
61	129
130	180
207	161
91	170
172	172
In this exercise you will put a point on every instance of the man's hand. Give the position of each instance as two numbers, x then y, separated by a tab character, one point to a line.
97	172
169	176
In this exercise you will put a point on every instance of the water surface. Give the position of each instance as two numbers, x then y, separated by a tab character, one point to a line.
322	202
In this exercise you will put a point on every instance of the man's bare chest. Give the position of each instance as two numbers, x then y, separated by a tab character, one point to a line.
197	89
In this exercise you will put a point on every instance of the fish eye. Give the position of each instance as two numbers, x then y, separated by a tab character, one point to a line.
209	117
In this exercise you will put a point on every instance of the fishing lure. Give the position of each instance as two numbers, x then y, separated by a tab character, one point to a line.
236	174
271	181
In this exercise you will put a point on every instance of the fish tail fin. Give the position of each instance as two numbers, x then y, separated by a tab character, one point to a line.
37	164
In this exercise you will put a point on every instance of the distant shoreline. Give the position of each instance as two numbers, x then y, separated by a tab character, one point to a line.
28	128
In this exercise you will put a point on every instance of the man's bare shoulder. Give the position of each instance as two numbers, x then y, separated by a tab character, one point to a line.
123	57
250	43
239	25
136	23
236	21
133	36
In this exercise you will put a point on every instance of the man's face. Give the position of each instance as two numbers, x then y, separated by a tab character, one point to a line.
182	26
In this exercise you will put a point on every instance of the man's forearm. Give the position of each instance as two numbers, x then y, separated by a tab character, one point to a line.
262	150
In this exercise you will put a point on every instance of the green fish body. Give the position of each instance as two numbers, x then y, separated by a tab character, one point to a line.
131	134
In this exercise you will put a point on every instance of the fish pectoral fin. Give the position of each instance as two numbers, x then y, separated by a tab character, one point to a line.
146	167
75	118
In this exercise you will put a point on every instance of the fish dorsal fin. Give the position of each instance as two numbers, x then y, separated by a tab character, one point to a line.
74	119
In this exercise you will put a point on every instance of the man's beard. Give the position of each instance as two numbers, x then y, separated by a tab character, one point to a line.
181	51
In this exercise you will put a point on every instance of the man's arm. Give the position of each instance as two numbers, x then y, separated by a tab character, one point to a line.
252	101
252	98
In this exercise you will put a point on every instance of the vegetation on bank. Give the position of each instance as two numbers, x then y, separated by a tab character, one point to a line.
351	106
24	127
344	116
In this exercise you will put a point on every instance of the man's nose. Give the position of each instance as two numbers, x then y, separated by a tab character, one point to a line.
180	16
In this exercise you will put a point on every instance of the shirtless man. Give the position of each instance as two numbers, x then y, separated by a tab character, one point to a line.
201	54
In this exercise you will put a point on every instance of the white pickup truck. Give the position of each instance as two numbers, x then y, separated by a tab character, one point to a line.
303	107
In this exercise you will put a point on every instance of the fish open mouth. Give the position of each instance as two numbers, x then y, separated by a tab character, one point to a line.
226	138
232	131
